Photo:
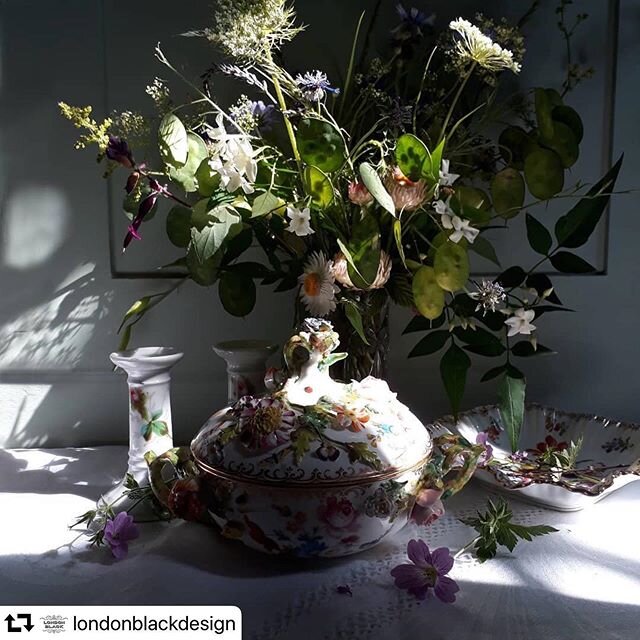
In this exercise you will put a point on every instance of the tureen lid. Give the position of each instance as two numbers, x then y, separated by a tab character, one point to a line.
313	429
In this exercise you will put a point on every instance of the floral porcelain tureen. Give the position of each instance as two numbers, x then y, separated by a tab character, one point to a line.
317	467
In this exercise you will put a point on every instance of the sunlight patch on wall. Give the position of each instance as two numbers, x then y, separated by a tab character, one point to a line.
34	225
19	404
54	334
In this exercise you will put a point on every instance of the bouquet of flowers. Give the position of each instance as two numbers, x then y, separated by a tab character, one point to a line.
368	190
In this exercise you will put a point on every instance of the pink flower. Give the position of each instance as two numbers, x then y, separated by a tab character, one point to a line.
428	507
486	457
339	515
406	194
265	423
118	532
359	194
428	571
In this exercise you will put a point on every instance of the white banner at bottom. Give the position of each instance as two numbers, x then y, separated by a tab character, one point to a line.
103	623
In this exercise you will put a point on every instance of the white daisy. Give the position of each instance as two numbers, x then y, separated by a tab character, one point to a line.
447	179
476	46
520	322
317	285
300	221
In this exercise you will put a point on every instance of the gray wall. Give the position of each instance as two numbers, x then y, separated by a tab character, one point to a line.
64	285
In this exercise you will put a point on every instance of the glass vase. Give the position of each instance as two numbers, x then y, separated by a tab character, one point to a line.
246	366
148	372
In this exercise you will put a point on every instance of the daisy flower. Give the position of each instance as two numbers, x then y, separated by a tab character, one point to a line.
317	285
476	46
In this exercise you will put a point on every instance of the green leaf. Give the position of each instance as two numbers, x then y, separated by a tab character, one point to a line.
544	173
301	440
472	203
420	323
318	186
564	143
431	168
266	203
125	338
208	179
511	393
570	263
428	295
571	118
515	145
544	107
237	245
485	249
354	317
411	155
172	140
373	183
237	293
209	240
481	342
186	173
543	285
512	277
431	343
179	226
451	266
507	191
364	248
397	234
546	308
539	238
361	452
574	229
493	373
453	368
159	427
524	349
320	144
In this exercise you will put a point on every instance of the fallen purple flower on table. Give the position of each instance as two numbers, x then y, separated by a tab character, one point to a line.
428	571
344	589
482	438
118	532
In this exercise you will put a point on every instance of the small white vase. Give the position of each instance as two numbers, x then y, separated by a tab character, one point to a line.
246	366
148	372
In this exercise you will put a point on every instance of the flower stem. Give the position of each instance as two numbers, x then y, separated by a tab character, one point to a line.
466	548
455	99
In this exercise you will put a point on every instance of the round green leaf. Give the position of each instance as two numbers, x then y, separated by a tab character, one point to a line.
544	173
515	145
451	266
237	293
428	296
172	140
411	154
179	226
564	143
186	174
318	186
320	144
544	106
507	191
471	203
571	118
208	179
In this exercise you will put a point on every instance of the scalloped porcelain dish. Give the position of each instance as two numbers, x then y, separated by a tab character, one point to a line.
608	459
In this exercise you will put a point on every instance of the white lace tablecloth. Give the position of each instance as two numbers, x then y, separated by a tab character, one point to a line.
583	582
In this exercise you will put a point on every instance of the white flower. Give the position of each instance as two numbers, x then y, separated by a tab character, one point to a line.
489	295
300	221
447	179
235	160
474	45
317	285
461	228
520	322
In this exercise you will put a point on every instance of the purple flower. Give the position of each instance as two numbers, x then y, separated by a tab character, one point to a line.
412	22
428	571
265	114
485	458
118	151
118	532
315	85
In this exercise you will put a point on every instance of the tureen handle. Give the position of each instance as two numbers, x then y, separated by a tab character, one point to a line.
181	494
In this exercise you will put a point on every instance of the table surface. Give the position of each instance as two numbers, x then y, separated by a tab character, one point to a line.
582	582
